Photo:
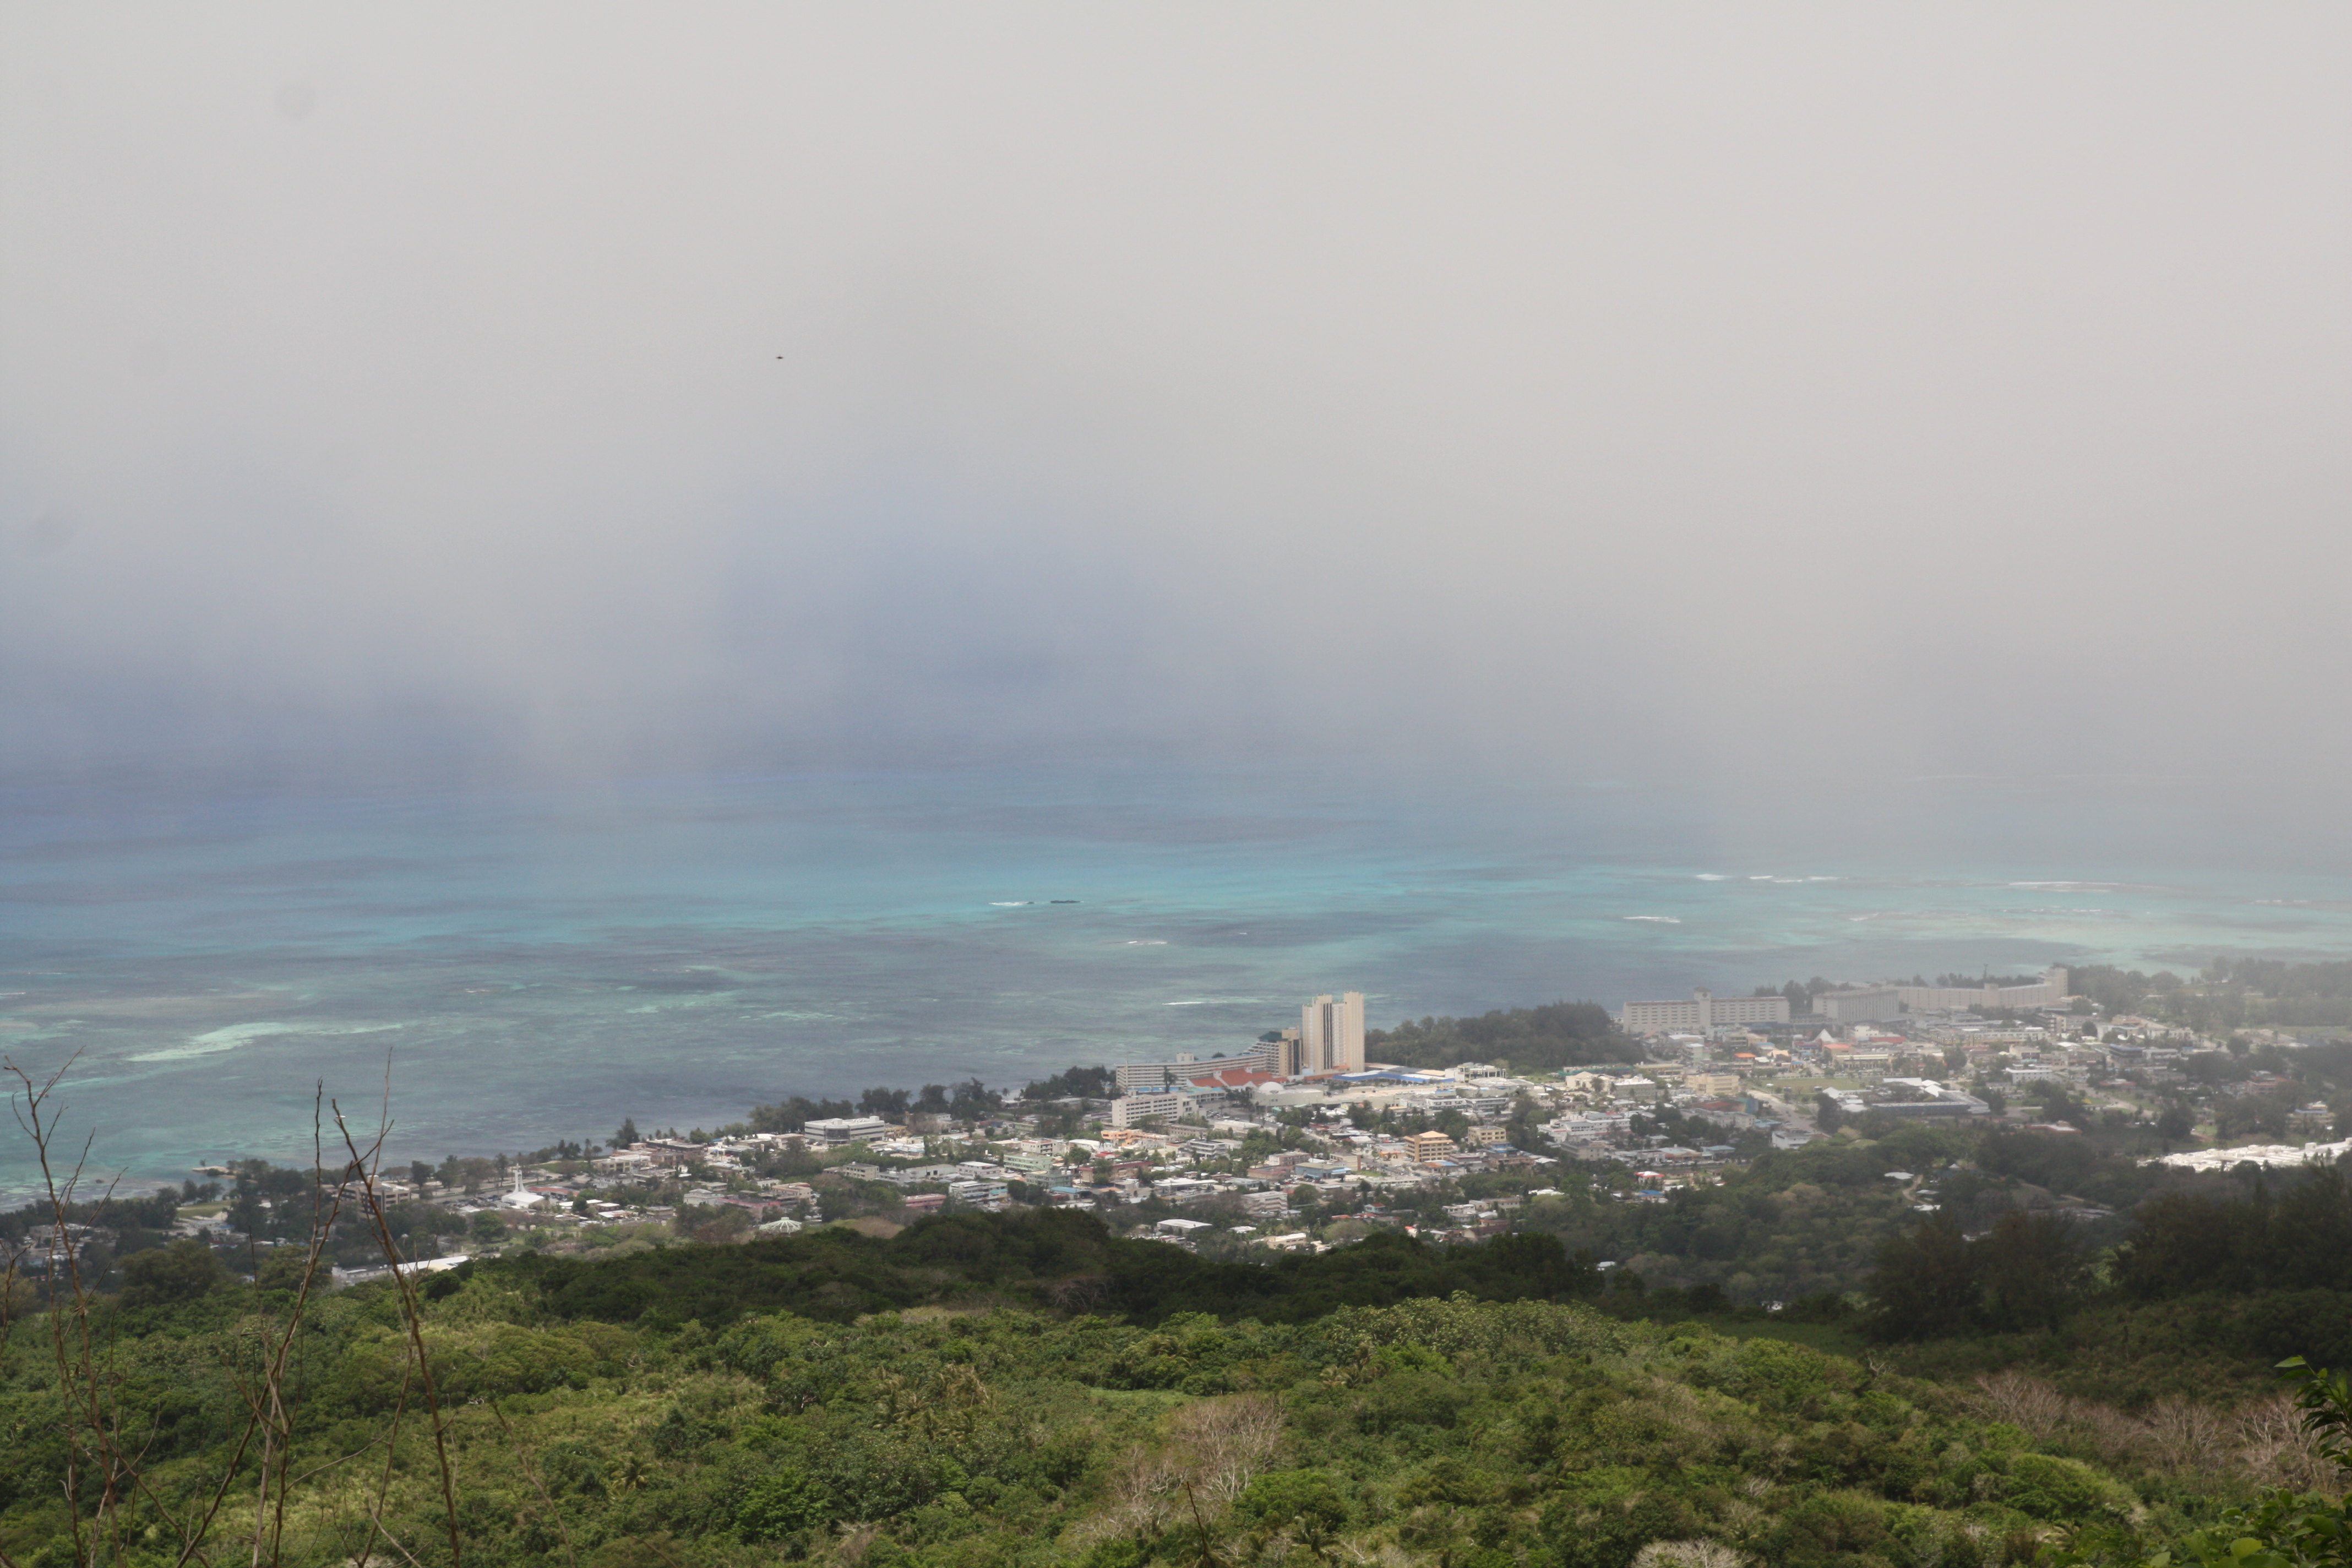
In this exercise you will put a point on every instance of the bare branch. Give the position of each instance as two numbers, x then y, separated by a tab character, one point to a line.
412	1312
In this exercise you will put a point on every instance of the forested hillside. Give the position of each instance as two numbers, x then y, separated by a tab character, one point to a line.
1028	1390
1463	1432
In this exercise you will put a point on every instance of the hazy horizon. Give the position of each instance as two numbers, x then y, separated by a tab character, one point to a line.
1799	397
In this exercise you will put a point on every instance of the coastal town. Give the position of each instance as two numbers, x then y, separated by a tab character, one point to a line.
1294	1142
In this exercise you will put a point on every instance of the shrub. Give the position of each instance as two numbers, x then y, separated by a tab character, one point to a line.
1304	1501
180	1272
780	1504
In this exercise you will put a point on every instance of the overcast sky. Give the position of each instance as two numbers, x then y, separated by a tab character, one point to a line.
1573	388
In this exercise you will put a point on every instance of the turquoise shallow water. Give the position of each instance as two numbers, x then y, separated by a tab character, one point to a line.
536	963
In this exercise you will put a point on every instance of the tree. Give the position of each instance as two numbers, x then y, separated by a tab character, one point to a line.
2175	1125
2262	1114
891	1104
1926	1283
1522	1127
1560	1034
1075	1083
180	1272
780	1504
712	1226
974	1102
2026	1271
419	1172
627	1134
2060	1104
426	1230
283	1269
792	1115
2301	1240
1305	1503
488	1228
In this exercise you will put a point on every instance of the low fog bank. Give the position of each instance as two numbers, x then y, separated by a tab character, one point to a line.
1779	405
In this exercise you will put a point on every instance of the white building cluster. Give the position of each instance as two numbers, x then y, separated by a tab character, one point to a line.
1878	1004
1706	1012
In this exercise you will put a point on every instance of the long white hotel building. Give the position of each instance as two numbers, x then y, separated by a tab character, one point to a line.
1703	1010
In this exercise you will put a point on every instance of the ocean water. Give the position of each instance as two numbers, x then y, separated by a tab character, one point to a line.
526	964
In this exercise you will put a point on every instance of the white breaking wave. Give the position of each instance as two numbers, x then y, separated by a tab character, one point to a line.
1655	919
236	1034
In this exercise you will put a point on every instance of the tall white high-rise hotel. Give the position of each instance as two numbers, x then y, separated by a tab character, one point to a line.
1331	1034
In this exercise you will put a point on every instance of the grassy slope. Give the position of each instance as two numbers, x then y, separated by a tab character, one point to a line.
921	1399
1473	1433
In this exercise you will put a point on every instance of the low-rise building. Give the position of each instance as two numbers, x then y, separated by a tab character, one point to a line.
1429	1145
1920	1097
1137	1107
834	1132
978	1194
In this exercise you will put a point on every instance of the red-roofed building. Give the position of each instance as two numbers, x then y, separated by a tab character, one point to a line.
1236	1079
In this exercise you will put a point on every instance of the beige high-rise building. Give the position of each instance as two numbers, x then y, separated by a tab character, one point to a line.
1331	1034
1278	1053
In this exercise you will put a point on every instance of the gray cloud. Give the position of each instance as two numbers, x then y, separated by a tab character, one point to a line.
1567	390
